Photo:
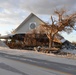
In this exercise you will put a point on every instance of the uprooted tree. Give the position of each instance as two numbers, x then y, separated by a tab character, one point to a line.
64	23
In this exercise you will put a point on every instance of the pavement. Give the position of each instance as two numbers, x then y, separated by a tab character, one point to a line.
17	67
38	55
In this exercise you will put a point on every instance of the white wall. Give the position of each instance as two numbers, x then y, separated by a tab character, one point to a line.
26	27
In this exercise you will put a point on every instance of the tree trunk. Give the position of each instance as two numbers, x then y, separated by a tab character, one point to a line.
52	40
49	43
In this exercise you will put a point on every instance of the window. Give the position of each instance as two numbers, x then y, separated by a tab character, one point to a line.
32	25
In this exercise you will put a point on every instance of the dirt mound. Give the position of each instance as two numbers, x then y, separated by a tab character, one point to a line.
2	44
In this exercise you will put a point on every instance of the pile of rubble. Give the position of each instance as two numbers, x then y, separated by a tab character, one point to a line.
68	49
68	45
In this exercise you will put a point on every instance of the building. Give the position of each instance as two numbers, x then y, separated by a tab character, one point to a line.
30	23
29	33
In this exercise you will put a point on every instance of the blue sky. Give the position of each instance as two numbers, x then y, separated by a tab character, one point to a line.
13	12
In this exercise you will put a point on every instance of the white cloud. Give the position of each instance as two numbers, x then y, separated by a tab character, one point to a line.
14	17
46	6
38	6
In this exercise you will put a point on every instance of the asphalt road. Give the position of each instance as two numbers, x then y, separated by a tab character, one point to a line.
30	66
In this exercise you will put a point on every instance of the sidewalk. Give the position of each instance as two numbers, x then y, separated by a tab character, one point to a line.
38	55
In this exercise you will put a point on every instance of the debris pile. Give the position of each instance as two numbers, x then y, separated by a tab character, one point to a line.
68	45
